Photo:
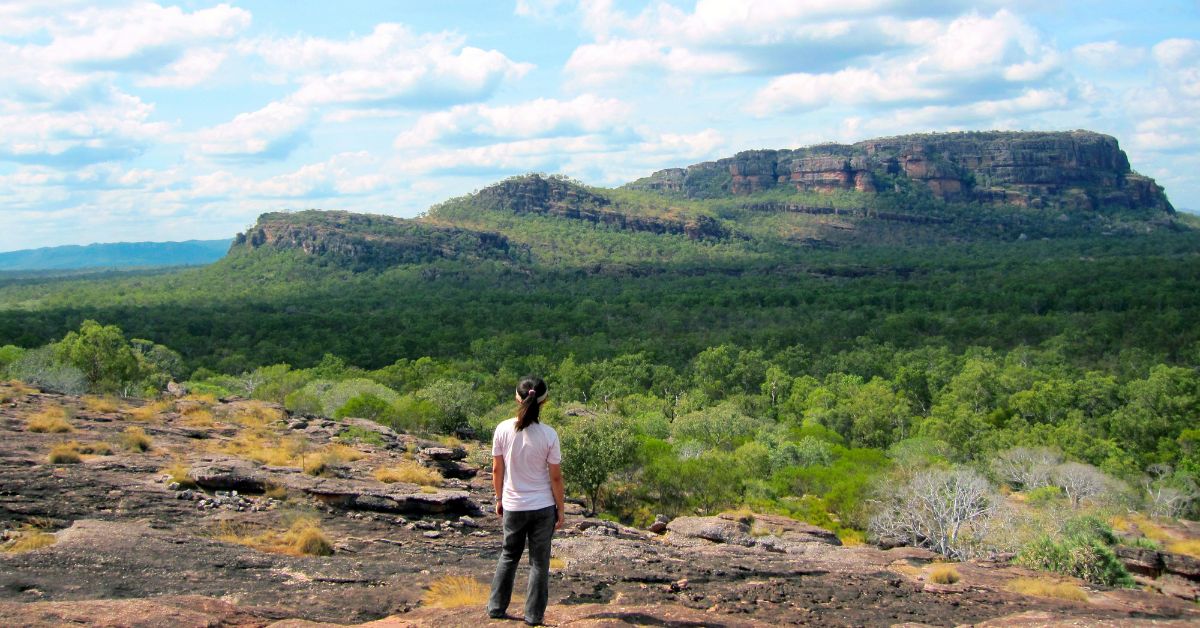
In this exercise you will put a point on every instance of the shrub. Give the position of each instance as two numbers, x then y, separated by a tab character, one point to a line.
41	368
1081	556
64	453
1043	588
355	434
1043	495
409	472
135	439
944	574
50	420
456	591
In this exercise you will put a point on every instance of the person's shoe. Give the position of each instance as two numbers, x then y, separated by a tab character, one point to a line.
532	623
497	614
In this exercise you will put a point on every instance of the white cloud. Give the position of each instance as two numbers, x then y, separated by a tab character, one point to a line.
390	67
537	8
340	175
728	37
268	133
1108	54
543	117
115	128
971	58
140	37
193	68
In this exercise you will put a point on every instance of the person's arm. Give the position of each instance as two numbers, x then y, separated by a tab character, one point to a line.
498	482
556	486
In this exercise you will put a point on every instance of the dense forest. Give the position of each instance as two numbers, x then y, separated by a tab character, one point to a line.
827	356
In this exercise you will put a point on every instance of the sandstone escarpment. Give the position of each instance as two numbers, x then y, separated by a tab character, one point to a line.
1077	170
368	240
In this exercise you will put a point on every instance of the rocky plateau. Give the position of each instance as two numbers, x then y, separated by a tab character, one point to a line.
134	546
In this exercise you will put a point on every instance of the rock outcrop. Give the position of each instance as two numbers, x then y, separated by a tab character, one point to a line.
558	196
368	240
1073	171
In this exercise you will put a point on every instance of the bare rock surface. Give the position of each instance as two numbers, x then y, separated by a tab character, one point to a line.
131	550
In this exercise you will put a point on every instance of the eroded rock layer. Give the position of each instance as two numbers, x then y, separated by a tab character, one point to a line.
1077	170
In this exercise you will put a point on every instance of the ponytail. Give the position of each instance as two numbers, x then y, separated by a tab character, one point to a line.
531	392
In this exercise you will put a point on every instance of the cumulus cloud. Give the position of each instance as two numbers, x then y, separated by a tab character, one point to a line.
272	132
542	117
724	37
970	58
389	67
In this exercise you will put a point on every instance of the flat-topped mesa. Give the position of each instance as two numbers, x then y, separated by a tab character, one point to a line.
367	240
1076	170
561	197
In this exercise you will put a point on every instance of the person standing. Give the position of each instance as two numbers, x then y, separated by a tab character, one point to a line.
527	477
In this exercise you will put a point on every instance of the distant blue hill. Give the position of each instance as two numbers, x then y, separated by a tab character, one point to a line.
115	255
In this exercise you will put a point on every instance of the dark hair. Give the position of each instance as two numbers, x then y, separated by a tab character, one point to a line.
531	390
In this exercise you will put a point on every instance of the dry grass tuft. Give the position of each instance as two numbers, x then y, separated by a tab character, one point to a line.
13	390
1189	548
429	489
254	414
455	592
151	412
1046	588
306	537
28	540
944	574
409	472
50	420
275	491
94	448
557	563
267	448
198	417
201	398
303	538
261	445
64	453
102	405
134	439
178	472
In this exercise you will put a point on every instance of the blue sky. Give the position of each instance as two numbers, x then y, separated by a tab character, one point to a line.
130	121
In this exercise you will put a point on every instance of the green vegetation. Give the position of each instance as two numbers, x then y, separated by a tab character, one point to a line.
842	367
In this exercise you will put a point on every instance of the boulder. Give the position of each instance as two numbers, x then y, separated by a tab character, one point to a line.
403	499
715	529
1139	560
789	530
1181	565
452	469
443	453
227	473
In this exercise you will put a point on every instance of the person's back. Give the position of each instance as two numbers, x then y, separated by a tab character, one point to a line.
529	495
527	455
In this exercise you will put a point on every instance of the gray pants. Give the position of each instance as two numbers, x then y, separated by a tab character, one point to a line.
538	527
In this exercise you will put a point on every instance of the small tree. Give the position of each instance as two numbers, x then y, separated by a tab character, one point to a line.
1026	468
1080	481
593	449
946	510
101	352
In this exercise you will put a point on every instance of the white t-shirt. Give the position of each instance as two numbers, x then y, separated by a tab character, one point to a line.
528	455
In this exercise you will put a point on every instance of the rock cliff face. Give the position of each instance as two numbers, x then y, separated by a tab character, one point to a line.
557	196
367	240
1077	170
